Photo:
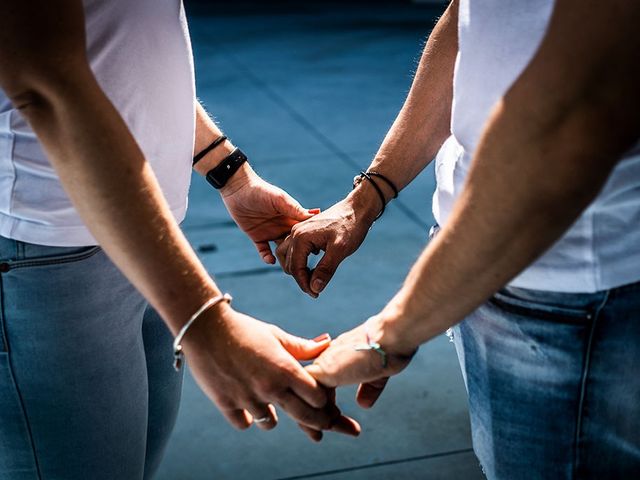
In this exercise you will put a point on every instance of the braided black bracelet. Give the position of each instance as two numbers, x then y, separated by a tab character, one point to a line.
211	146
386	180
377	188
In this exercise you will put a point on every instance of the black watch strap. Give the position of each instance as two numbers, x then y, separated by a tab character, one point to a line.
220	175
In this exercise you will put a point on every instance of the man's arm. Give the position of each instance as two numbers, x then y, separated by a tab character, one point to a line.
545	153
45	72
546	150
417	133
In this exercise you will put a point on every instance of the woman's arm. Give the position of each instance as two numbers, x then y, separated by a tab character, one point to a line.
45	73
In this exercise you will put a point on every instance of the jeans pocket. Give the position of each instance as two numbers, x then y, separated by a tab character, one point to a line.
32	267
551	306
47	256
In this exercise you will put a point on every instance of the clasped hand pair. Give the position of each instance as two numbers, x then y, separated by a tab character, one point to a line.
247	367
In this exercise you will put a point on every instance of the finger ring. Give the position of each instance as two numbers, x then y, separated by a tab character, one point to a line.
262	419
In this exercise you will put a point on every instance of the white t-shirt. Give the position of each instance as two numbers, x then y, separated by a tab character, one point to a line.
140	53
497	39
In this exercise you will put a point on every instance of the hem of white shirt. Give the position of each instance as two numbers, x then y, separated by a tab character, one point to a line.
572	281
57	235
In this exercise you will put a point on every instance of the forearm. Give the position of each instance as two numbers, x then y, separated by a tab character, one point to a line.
505	218
545	152
115	192
423	123
206	132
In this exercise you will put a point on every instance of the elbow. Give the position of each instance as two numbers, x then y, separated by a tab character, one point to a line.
31	100
597	125
30	87
26	98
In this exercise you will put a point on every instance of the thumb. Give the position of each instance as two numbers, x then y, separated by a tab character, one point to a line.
368	393
264	250
303	348
321	376
289	207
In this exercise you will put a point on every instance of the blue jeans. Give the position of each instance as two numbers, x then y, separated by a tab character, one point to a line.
87	387
554	383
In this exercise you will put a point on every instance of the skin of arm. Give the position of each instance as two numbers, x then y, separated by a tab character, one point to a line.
261	210
545	153
45	73
415	137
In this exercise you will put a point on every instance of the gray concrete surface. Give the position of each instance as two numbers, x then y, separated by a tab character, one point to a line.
308	91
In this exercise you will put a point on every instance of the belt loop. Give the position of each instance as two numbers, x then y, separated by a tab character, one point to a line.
433	231
20	250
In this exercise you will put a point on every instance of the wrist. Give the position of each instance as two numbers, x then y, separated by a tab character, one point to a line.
206	329
365	202
243	177
396	329
214	157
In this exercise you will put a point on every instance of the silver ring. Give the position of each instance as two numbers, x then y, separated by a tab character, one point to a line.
262	419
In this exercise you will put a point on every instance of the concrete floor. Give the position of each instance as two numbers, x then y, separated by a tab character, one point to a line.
308	92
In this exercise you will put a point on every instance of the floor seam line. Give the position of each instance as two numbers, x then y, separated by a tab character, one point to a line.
317	134
378	464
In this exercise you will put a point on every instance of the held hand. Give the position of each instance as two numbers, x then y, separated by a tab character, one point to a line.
263	211
349	360
338	232
246	367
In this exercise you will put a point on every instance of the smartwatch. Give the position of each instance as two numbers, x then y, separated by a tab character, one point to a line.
220	175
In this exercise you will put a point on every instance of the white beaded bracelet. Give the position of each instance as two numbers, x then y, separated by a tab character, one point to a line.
178	356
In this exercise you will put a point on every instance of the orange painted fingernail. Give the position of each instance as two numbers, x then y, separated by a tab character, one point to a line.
314	211
322	338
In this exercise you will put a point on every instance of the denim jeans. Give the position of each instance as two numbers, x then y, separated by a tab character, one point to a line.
87	387
554	383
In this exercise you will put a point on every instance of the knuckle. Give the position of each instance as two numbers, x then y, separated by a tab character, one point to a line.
281	253
279	396
295	231
280	195
270	391
323	271
340	244
318	420
264	388
299	271
320	400
226	405
308	418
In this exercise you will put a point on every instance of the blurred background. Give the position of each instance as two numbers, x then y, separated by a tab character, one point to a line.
308	90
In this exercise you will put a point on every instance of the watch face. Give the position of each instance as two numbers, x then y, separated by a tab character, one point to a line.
220	175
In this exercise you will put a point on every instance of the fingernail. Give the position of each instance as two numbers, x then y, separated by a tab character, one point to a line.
322	338
314	211
318	285
270	259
